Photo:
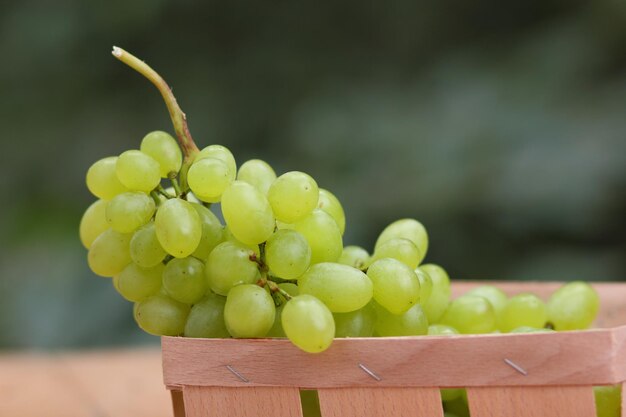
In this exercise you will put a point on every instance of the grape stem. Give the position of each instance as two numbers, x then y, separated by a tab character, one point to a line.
176	185
179	119
275	288
164	193
155	197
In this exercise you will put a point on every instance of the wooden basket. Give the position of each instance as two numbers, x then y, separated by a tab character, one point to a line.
510	375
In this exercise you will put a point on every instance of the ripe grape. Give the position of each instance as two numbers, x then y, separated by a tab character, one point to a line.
396	287
528	329
322	233
470	314
206	318
145	249
523	310
308	323
138	171
358	323
293	196
163	148
135	283
247	213
439	298
228	265
495	296
249	311
223	154
109	253
331	205
408	229
178	227
184	281
401	249
161	315
341	287
287	254
608	400
128	211
257	173
412	322
93	222
212	232
102	180
354	256
573	306
426	285
208	178
441	329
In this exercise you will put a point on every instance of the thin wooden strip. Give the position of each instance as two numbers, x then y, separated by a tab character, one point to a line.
378	402
178	403
242	402
531	401
567	358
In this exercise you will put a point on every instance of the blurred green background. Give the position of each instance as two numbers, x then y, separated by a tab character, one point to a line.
501	126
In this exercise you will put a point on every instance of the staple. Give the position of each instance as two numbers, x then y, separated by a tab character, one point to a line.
237	374
515	366
369	372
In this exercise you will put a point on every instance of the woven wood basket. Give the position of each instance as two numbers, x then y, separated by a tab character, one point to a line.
511	375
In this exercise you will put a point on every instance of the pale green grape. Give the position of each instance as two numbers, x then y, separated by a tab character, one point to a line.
145	249
102	180
438	275
573	306
93	222
341	287
457	407
523	310
451	394
161	315
290	288
308	323
408	229
310	403
528	329
228	265
293	196
163	148
277	328
426	285
331	205
496	297
322	233
249	311
287	254
178	227
358	323
208	178
401	249
206	318
212	232
138	171
441	329
439	298
396	287
412	322
354	256
109	253
128	211
247	213
608	400
183	280
257	173
135	283
470	314
223	154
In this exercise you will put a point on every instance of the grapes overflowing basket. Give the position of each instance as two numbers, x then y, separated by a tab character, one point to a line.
281	319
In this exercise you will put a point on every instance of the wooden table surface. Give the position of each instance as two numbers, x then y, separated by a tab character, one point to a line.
103	383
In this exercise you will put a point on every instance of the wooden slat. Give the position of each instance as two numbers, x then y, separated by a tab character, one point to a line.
378	402
178	403
531	402
242	402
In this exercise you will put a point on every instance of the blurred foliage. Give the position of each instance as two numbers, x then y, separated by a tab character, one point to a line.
501	126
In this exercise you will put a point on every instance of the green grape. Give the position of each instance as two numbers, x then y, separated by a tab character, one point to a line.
341	287
608	400
451	394
161	315
223	154
138	171
438	275
178	227
408	229
277	328
208	178
495	296
574	306
249	311
128	211
354	256
308	323
293	196
163	148
135	283
322	233
358	323
528	329
102	180
441	330
212	232
470	314
228	265
206	318
401	249
331	205
109	253
290	288
446	414
145	249
412	322
93	222
287	254
437	303
426	285
183	280
396	287
523	310
257	173
247	213
457	407
310	403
